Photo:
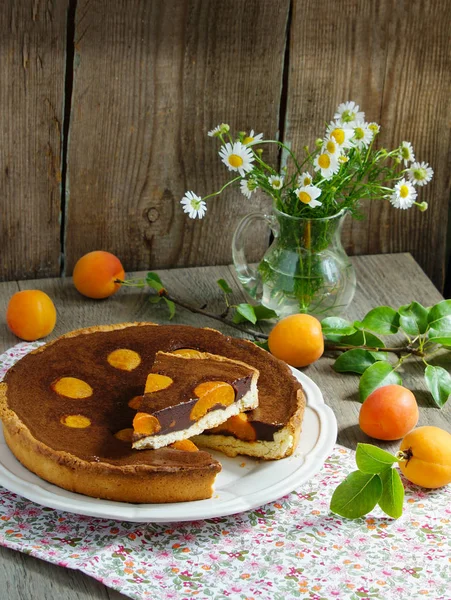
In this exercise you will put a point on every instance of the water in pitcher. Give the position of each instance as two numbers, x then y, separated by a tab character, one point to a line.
321	292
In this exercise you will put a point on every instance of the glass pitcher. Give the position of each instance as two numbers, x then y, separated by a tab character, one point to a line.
305	269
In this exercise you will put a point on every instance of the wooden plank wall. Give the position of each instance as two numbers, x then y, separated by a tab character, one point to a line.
139	84
32	65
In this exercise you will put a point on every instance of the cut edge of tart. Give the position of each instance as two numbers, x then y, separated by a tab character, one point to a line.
225	438
210	403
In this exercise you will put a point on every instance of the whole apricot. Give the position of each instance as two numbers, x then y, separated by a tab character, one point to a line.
31	315
95	274
389	413
427	456
297	339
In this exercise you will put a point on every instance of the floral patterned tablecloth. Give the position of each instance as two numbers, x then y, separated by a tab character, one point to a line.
293	548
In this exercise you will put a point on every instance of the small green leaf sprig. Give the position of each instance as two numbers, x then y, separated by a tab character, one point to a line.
375	482
427	331
240	313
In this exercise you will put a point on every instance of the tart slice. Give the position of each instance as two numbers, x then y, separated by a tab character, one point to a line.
189	392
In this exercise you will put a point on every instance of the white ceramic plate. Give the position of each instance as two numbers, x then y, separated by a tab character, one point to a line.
243	484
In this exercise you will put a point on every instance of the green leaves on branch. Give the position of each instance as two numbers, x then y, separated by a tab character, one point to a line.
427	331
376	482
245	312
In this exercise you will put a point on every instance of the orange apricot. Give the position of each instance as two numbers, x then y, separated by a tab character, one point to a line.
389	413
188	352
76	421
156	382
31	315
239	426
297	340
95	274
427	457
211	393
185	445
124	435
124	359
146	424
135	402
72	387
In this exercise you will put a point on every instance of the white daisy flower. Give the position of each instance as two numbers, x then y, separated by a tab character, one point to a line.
276	181
341	134
308	194
406	153
193	205
349	113
237	157
221	128
420	173
252	138
328	165
305	179
248	187
404	195
331	147
374	127
363	136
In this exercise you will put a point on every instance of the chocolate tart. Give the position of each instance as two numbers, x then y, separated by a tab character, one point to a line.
72	441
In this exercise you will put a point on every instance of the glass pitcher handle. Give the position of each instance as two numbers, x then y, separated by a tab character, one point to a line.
248	275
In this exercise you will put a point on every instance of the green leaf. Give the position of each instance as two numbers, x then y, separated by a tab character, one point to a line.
392	498
383	320
440	331
357	360
438	381
359	338
371	459
357	495
247	311
263	345
225	287
413	318
262	313
171	307
154	281
376	376
337	326
155	299
442	309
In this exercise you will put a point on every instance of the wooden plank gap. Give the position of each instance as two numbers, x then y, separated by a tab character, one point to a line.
67	110
283	104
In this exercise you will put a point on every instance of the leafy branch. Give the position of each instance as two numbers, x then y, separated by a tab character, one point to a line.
426	330
241	312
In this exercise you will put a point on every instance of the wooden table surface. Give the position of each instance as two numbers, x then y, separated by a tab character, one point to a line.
381	279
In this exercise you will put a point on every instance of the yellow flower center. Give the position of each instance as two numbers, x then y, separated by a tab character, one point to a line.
304	197
324	161
348	116
420	174
374	127
248	140
339	135
405	152
359	133
307	181
235	160
403	191
276	183
330	147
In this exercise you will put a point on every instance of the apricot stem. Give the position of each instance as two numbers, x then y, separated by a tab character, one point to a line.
404	455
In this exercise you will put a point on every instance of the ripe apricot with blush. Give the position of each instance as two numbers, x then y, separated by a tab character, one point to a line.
427	457
297	339
389	413
31	315
95	274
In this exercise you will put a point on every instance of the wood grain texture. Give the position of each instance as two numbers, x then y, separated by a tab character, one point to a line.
32	62
382	279
392	58
150	79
